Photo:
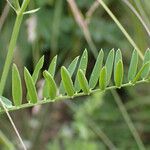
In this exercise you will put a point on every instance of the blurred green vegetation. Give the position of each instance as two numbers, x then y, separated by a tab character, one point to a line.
84	122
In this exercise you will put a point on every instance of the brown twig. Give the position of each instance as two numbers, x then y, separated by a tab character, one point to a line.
83	25
91	10
4	15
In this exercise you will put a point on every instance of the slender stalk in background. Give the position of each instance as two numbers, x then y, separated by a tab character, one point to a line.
79	18
4	15
121	27
14	127
121	106
12	44
138	15
142	12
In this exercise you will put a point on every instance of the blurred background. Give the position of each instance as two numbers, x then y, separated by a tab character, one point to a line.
66	28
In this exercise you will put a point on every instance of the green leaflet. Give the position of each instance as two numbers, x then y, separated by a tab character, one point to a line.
30	87
52	88
51	70
133	66
140	72
37	69
118	57
67	82
83	82
16	86
147	69
109	65
82	66
118	75
96	71
103	78
6	101
52	66
71	70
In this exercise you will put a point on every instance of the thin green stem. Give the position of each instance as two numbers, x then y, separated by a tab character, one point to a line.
16	4
12	45
138	16
45	101
10	53
121	28
128	120
13	125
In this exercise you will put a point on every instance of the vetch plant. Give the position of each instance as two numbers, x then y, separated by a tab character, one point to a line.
102	73
99	80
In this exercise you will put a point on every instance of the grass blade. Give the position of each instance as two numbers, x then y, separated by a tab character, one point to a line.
71	70
96	71
133	66
83	67
67	82
16	86
52	88
30	87
83	82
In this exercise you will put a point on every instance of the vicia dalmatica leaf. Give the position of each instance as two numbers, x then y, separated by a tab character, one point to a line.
146	70
103	78
109	65
71	70
133	66
83	67
137	77
37	69
96	71
30	87
118	57
118	74
67	82
51	70
83	82
52	88
6	101
16	86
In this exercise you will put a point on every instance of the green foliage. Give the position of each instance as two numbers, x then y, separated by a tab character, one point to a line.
109	65
51	70
118	75
147	69
96	70
83	67
67	81
30	87
103	79
16	86
83	82
66	85
133	66
52	88
71	70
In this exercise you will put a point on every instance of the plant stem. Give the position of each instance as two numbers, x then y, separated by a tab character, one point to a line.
121	28
45	101
16	4
128	120
12	44
13	125
10	52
